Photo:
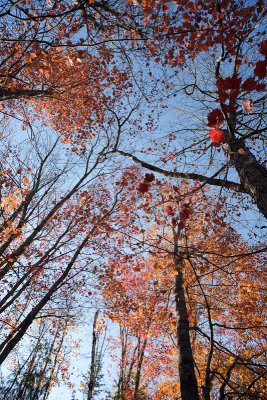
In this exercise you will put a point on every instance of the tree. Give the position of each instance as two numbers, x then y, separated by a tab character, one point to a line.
92	384
48	227
204	277
213	58
36	34
33	376
40	58
131	360
96	74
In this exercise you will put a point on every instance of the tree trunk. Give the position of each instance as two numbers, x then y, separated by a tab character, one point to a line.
15	336
252	175
91	383
139	367
188	382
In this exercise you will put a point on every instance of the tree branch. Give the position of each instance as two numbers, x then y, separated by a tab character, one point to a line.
186	175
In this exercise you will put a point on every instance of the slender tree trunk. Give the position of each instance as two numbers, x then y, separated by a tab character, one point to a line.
130	370
139	367
15	336
91	384
188	382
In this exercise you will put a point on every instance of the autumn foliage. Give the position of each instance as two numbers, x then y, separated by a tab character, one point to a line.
139	294
133	179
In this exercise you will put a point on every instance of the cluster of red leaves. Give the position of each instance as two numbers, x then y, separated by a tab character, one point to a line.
228	87
185	212
251	84
145	185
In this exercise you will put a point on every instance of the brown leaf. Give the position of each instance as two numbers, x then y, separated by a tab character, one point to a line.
242	151
247	106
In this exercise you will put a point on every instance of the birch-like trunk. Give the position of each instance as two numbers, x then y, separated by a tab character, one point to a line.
91	383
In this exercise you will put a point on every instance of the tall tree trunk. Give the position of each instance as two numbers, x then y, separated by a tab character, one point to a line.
91	383
188	382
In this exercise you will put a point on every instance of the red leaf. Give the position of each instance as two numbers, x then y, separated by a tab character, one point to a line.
260	69
249	84
228	87
143	188
230	83
169	210
217	136
215	118
149	177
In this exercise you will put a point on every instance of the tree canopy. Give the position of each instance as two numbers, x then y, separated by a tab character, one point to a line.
133	186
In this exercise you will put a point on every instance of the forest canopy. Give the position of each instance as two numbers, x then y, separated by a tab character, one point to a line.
133	199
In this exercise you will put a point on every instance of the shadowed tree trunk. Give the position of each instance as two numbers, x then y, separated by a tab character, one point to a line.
188	382
252	175
141	352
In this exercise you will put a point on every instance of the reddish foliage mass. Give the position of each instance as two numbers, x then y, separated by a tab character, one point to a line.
143	188
87	90
249	84
149	177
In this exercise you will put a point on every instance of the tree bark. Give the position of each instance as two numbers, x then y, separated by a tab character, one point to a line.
139	367
188	382
252	175
7	94
91	383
